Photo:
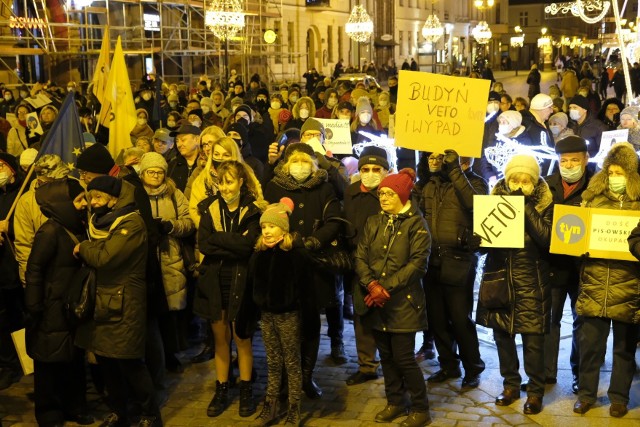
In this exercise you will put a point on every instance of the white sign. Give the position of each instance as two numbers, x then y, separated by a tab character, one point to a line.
337	136
151	22
33	125
607	140
499	221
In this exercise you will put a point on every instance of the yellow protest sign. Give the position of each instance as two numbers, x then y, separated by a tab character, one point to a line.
499	221
435	112
602	233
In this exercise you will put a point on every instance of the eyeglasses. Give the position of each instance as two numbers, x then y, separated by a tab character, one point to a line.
154	173
386	194
312	134
436	159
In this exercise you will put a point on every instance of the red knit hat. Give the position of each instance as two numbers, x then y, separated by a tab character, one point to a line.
401	183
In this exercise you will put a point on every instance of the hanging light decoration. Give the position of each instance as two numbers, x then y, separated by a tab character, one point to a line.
224	18
482	32
432	30
359	26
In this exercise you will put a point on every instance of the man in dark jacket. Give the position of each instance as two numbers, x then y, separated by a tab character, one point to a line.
448	209
187	139
584	124
535	122
566	185
360	202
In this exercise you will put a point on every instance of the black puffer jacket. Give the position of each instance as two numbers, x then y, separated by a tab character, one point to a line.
358	207
528	269
405	238
448	207
49	273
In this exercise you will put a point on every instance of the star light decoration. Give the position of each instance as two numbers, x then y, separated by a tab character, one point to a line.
482	33
359	27
432	29
224	18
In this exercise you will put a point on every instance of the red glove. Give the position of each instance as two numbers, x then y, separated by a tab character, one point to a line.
377	296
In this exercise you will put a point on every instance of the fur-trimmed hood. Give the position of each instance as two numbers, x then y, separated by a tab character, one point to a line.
621	154
295	111
541	196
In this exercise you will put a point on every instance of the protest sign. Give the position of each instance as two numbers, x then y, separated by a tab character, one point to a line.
38	101
602	233
33	125
499	221
436	112
337	136
19	342
606	141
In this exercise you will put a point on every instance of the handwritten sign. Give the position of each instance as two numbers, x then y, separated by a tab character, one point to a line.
602	233
436	112
337	136
499	221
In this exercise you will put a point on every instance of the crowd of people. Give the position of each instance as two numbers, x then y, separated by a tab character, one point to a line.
211	225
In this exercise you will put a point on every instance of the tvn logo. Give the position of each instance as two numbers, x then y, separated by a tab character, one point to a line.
570	229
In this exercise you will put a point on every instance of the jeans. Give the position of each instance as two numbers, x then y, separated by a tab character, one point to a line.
533	353
593	335
552	339
400	369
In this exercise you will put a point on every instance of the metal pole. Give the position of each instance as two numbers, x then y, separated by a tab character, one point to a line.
226	59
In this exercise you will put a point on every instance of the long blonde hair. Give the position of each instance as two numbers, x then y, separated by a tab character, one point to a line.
229	146
286	244
239	170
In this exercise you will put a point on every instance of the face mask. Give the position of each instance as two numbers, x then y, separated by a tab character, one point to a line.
555	129
142	122
504	129
215	163
238	141
574	114
300	171
196	123
24	94
262	104
271	243
304	113
4	178
618	184
371	180
173	104
8	97
365	118
492	108
571	175
232	199
382	103
526	189
293	99
205	110
583	93
332	102
275	105
146	97
171	124
344	117
101	211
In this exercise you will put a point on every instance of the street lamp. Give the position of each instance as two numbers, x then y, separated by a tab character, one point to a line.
432	31
482	33
542	42
517	42
359	27
224	18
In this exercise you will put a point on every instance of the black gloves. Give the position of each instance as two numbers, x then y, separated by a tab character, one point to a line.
322	161
469	240
164	227
450	161
517	192
311	243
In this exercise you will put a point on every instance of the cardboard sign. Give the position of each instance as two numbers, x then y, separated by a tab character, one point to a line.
33	125
26	362
436	112
38	101
606	141
499	221
337	136
602	233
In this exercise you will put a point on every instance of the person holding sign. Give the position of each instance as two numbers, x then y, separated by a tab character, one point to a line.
525	271
609	290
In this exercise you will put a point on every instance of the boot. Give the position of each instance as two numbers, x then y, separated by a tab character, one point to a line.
293	415
309	349
268	416
208	351
220	400
247	405
427	351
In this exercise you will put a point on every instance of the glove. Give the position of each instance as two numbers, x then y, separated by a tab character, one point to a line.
311	243
377	296
473	242
517	192
322	161
164	227
450	161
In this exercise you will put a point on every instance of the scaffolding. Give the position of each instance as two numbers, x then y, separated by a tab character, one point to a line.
170	32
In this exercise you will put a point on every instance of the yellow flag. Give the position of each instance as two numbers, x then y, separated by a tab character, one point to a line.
122	109
101	73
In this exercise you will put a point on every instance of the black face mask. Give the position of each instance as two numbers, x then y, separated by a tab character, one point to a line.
238	141
262	105
100	211
215	163
393	90
243	122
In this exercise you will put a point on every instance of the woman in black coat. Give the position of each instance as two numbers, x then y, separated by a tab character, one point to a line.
59	376
533	80
528	311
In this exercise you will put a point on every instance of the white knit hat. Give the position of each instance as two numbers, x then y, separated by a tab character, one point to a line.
28	156
541	101
522	163
514	118
153	160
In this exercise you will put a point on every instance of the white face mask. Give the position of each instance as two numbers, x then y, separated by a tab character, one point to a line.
371	180
8	97
492	108
504	129
146	96
571	175
171	124
173	104
382	103
232	199
275	105
575	115
332	102
300	171
293	99
196	123
4	178
365	118
205	110
555	129
70	88
142	122
304	113
618	184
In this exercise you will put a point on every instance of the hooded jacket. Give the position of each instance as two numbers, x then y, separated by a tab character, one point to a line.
610	288
324	112
297	121
527	269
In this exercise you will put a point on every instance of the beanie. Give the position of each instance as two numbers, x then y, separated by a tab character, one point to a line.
363	104
206	101
153	160
242	131
540	102
142	111
236	101
299	146
10	161
278	213
358	93
196	112
494	96
345	105
106	184
263	91
514	118
571	144
632	111
580	101
88	138
245	108
401	183
95	159
560	118
311	124
51	166
525	164
28	156
372	155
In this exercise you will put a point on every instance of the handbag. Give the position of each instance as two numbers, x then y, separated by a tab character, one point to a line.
455	267
495	290
81	294
334	257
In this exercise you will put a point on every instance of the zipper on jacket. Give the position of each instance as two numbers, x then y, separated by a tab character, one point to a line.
513	305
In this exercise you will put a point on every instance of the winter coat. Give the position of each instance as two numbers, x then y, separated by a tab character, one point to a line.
10	278
17	140
590	129
359	205
49	272
448	207
533	80
119	255
200	190
634	137
225	249
168	203
527	269
569	84
394	250
180	171
27	219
